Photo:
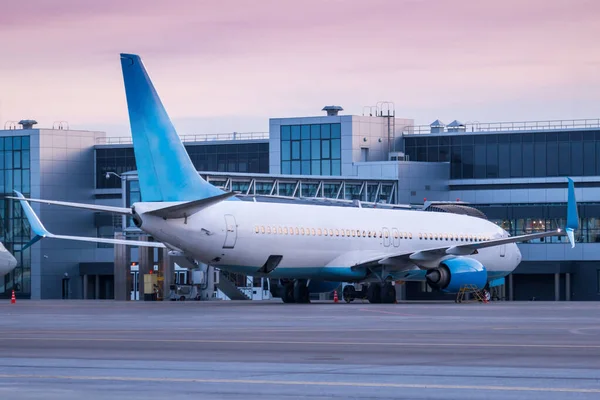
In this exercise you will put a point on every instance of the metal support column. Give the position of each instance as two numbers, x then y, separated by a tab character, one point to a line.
568	286
85	286
556	287
122	270
145	264
511	288
97	287
167	267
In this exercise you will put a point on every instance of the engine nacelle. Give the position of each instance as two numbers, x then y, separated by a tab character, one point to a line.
454	273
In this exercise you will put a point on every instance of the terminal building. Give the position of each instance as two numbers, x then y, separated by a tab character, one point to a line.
513	174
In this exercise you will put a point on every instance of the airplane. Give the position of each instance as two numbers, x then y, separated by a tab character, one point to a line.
303	248
7	261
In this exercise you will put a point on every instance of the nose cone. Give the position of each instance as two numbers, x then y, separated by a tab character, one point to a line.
518	256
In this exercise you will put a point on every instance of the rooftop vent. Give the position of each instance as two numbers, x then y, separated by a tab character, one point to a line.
332	110
27	123
456	126
437	126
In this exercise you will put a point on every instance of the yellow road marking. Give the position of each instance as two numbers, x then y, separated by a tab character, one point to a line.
395	344
301	383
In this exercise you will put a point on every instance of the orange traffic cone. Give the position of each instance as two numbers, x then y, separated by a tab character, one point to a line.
13	299
335	297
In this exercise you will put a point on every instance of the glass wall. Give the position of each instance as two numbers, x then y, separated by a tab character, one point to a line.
526	219
231	157
514	155
15	174
311	149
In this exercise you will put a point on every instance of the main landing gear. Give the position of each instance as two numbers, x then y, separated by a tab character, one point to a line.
375	292
295	291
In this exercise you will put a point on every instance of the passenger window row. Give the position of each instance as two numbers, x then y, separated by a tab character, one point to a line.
453	237
279	230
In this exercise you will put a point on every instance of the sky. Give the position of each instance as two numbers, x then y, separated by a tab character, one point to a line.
230	65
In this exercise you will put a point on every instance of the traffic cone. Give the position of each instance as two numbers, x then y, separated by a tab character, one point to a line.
335	297
13	299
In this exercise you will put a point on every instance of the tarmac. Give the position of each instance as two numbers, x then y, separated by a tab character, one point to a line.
92	350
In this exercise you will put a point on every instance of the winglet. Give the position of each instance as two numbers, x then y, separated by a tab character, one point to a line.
572	215
36	225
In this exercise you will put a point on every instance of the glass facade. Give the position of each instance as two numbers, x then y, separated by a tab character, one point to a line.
526	219
514	155
311	149
15	174
231	157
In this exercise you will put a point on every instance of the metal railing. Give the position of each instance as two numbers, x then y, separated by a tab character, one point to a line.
208	137
552	125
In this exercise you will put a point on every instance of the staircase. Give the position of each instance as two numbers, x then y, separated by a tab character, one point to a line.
230	289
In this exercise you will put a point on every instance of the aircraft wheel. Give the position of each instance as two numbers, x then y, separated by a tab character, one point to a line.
388	293
301	293
349	293
287	294
374	293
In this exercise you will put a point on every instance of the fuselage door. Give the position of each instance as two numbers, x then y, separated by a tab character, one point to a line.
230	232
395	237
502	250
386	237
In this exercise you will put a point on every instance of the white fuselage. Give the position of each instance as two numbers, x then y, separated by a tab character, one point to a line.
241	235
7	261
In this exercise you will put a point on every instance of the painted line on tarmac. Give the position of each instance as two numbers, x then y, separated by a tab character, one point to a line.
301	383
391	344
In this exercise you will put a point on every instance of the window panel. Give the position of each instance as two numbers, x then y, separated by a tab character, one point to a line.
305	151
316	167
336	131
325	167
295	150
528	160
336	148
589	159
516	164
315	152
325	131
16	143
336	167
480	161
305	167
467	159
540	158
504	160
286	167
305	132
552	158
564	161
295	167
295	132
315	131
325	149
285	150
492	165
576	157
8	159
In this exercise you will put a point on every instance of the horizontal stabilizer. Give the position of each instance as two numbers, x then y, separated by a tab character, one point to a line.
41	232
93	207
185	210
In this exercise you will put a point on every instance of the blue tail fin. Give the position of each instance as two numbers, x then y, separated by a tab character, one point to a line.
165	170
572	214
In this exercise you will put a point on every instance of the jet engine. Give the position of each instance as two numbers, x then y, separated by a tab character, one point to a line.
454	273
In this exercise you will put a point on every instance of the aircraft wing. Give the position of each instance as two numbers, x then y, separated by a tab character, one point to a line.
41	232
93	207
430	258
